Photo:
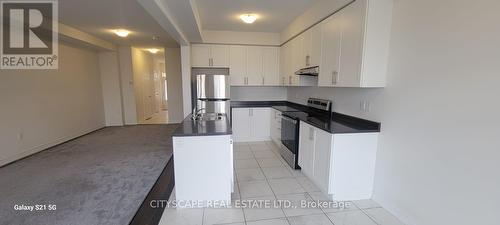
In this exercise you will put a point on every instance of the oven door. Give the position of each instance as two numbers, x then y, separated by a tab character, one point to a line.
289	133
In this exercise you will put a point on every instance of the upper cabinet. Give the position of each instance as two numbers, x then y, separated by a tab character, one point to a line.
254	65
210	56
350	47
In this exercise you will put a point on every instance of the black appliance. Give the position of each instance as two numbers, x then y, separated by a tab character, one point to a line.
290	130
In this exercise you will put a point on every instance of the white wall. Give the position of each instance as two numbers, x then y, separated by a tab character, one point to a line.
174	84
127	85
111	91
42	108
258	94
186	79
438	155
236	37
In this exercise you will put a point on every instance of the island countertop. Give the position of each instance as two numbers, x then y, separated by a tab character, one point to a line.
189	127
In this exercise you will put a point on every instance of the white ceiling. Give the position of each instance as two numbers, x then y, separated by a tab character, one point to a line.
99	17
275	15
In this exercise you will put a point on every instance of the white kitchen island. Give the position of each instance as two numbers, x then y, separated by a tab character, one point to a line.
203	163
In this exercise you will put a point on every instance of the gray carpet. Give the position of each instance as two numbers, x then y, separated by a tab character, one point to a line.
100	178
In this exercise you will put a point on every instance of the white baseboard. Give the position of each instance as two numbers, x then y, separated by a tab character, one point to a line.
41	147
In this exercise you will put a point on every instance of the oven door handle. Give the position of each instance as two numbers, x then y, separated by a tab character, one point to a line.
289	119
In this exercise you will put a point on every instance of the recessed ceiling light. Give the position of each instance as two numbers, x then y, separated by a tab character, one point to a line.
248	18
153	50
121	32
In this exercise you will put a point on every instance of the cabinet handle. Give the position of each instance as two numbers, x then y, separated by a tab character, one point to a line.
250	111
290	80
311	133
335	77
283	81
308	60
262	80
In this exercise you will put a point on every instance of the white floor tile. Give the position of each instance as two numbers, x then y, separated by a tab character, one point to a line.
222	215
330	206
269	222
241	148
182	217
255	211
276	172
317	219
307	184
350	218
382	216
269	162
250	189
366	204
285	186
296	208
249	174
245	164
295	173
259	146
243	155
264	154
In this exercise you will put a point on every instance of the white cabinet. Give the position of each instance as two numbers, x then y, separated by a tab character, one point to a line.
238	65
286	64
306	149
341	165
276	126
312	47
210	56
270	66
251	124
330	52
254	66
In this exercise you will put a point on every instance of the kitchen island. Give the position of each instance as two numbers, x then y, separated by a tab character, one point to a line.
203	162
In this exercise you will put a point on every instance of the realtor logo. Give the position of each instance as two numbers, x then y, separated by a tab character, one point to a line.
29	35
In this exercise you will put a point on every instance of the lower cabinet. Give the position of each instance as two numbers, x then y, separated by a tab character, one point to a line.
251	124
341	165
276	127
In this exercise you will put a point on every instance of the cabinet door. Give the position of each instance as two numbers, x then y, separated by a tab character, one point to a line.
254	66
315	46
285	63
261	124
322	153
237	65
220	55
200	55
241	124
306	48
306	149
270	67
330	55
352	27
298	60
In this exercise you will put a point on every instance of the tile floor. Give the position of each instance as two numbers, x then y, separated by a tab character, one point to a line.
261	174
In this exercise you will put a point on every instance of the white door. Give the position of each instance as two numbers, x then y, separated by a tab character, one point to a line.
200	55
241	124
220	55
261	124
237	65
352	23
322	153
254	66
330	55
270	66
306	149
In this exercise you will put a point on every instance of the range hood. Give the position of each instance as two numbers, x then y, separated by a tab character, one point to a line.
309	71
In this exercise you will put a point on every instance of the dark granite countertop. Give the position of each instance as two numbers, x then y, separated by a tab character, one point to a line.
335	123
189	127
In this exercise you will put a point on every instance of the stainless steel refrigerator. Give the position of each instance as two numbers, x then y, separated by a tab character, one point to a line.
210	90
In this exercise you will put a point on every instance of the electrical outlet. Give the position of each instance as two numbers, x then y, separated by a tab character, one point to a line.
20	136
367	106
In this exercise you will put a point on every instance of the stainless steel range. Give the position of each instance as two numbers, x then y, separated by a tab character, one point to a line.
290	129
